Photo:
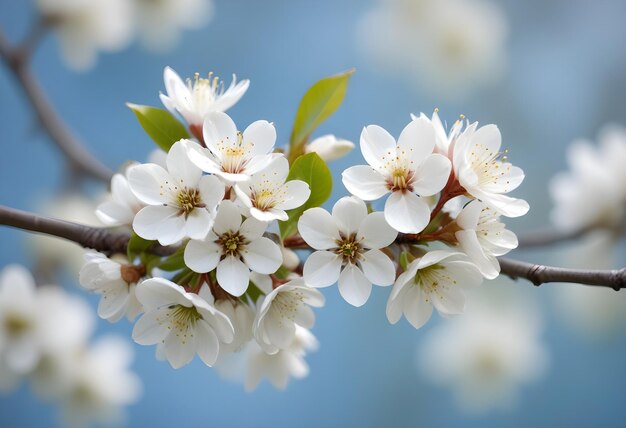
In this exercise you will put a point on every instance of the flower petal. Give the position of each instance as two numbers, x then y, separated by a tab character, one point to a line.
297	192
219	131
378	268
364	182
233	275
228	218
263	256
406	212
348	213
207	344
375	232
319	229
160	222
432	175
202	256
260	137
416	309
186	173
150	183
377	146
417	141
211	191
354	287
321	269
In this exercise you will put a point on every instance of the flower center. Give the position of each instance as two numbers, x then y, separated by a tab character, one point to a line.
187	200
205	91
232	243
264	199
287	304
349	248
400	180
234	155
15	325
490	167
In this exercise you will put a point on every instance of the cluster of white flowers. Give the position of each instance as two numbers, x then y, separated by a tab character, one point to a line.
44	336
85	27
447	47
235	294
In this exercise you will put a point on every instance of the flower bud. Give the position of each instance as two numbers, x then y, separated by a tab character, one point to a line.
329	147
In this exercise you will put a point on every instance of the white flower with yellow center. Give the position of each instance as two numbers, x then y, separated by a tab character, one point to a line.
234	248
184	323
267	195
437	279
199	97
407	170
483	237
281	311
230	154
483	171
181	202
116	283
349	241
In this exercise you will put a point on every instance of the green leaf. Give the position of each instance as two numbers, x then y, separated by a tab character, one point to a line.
137	246
175	261
311	169
318	104
160	125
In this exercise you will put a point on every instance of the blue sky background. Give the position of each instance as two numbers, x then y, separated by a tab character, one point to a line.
566	78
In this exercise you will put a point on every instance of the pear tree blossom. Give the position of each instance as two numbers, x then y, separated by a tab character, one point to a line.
407	169
116	283
181	202
267	195
233	248
349	242
287	306
196	100
183	322
232	155
122	205
438	279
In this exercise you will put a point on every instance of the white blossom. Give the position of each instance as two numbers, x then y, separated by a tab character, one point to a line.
196	100
84	27
329	147
266	195
183	323
181	202
484	172
234	248
101	384
407	169
487	355
286	307
230	154
349	241
593	191
437	279
121	206
161	22
445	139
241	316
116	283
483	237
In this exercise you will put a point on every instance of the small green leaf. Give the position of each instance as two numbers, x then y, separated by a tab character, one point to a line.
137	246
175	261
311	169
318	104
160	125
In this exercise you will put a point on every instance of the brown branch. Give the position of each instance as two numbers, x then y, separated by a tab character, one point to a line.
540	274
78	157
104	240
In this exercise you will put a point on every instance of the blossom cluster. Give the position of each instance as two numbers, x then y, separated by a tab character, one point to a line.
226	284
44	337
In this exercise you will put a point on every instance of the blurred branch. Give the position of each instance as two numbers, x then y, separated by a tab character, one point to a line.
17	60
540	274
104	240
546	237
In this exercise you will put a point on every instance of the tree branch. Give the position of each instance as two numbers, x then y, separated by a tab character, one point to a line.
103	240
78	157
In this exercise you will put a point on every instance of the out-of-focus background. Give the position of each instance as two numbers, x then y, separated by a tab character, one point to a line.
546	73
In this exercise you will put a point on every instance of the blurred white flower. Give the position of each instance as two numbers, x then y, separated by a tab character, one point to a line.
241	316
483	237
101	384
181	202
438	279
160	22
282	310
407	169
53	253
485	355
116	283
329	147
121	206
593	192
446	47
184	323
20	321
267	195
348	244
84	27
235	248
231	155
197	99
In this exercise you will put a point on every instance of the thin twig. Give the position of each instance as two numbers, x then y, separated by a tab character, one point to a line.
79	158
103	240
